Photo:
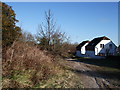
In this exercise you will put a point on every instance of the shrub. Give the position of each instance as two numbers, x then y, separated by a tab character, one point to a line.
24	57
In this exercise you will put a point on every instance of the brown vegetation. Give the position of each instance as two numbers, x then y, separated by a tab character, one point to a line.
24	66
21	57
30	61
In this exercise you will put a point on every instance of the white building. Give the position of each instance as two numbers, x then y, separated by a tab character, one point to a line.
98	48
80	49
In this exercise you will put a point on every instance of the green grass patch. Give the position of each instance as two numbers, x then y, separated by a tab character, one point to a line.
22	77
67	79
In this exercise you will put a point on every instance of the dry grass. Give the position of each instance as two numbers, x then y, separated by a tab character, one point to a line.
25	66
22	57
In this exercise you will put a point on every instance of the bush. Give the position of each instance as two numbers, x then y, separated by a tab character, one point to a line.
24	57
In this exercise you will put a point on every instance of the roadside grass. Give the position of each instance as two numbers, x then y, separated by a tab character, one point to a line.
112	62
20	79
64	78
25	66
108	64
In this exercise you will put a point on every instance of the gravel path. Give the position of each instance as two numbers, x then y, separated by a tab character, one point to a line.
87	75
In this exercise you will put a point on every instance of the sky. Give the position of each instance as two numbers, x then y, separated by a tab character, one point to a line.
79	20
60	0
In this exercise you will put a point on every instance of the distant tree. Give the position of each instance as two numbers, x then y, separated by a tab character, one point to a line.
49	36
10	32
27	37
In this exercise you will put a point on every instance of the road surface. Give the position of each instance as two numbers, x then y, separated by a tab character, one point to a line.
89	77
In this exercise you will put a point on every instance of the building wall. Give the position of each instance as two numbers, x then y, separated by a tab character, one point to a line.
83	51
98	49
102	50
91	54
106	43
78	54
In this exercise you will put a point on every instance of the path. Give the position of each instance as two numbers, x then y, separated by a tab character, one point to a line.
89	78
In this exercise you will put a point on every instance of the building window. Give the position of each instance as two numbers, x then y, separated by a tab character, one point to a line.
101	45
110	45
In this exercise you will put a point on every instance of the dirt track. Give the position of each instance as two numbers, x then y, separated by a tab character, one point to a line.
89	78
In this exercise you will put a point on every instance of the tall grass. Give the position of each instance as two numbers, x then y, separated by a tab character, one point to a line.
26	66
24	58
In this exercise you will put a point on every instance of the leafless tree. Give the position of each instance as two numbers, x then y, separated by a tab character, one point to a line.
49	35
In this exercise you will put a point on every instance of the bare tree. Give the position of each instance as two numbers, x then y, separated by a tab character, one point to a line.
27	37
49	35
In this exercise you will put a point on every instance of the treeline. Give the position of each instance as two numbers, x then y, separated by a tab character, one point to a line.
10	32
49	37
